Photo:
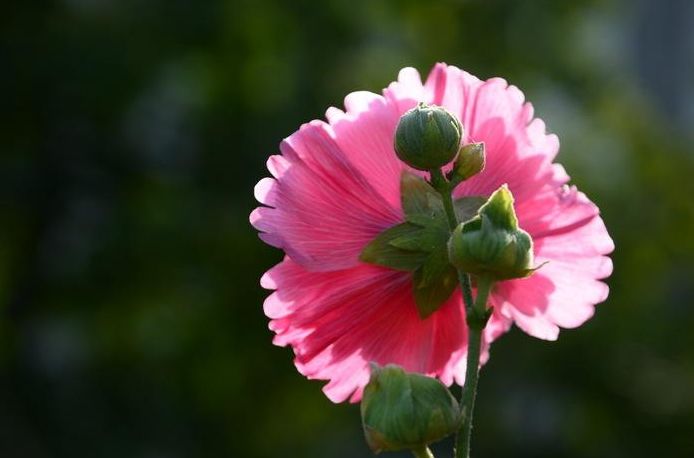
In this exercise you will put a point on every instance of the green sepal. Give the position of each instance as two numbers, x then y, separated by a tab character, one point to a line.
419	245
433	283
418	198
382	252
499	209
431	237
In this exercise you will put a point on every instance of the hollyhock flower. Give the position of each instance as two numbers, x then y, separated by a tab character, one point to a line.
335	187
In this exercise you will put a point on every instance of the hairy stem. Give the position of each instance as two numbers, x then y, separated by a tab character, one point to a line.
476	322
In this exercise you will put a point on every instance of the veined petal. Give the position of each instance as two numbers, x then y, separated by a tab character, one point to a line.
564	291
323	209
337	322
364	132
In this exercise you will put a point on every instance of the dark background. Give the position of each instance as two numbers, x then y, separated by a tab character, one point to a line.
132	133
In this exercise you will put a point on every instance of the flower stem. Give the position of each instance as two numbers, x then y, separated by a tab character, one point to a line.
423	452
476	317
476	321
444	188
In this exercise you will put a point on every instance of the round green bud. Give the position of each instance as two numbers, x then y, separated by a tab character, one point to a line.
491	244
403	410
427	137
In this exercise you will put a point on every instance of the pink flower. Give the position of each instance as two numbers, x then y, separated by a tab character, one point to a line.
335	187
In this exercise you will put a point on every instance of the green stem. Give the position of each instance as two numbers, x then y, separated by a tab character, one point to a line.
466	287
423	452
477	318
444	188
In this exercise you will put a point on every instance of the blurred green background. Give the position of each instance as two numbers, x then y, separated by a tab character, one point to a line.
132	133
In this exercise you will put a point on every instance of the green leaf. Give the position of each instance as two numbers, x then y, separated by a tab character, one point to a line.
420	244
382	252
429	238
433	284
418	198
499	209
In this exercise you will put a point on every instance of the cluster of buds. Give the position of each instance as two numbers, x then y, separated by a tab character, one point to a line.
429	137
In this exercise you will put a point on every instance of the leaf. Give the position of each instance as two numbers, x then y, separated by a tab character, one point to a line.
499	209
418	198
381	252
420	244
433	283
429	238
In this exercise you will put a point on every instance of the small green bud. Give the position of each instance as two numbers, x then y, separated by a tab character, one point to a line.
401	410
470	162
427	137
491	244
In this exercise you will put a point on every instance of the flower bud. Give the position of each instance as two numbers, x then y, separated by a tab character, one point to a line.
491	244
401	410
470	162
427	137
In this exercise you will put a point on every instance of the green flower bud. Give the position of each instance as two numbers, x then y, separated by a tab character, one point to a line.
400	410
491	244
470	162
427	137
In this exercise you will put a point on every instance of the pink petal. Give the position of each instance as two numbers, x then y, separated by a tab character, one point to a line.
519	152
407	91
554	211
337	322
323	209
365	134
526	303
456	90
266	192
572	239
